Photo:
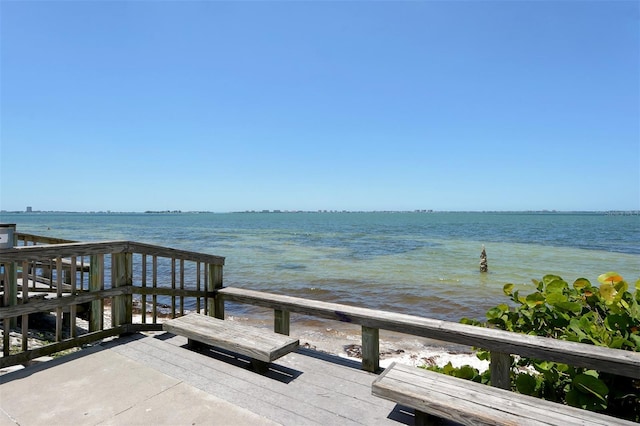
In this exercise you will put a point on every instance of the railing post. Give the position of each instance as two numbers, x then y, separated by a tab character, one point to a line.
500	369
214	283
96	283
122	272
10	278
370	349
281	321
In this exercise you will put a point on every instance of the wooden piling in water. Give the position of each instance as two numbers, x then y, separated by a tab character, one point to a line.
484	266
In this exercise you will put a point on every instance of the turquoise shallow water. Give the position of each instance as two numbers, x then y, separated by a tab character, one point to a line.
418	263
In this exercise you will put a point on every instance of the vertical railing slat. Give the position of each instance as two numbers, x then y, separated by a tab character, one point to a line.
500	369
58	295
143	299
24	325
122	276
96	283
181	286
281	321
215	303
173	287
154	278
198	285
370	349
73	309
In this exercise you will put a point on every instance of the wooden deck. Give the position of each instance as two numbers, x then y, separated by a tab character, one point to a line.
305	387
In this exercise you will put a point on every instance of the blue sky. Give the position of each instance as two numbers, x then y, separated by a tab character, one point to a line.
354	105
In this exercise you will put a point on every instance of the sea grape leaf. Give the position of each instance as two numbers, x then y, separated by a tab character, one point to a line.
549	278
526	384
535	299
589	384
570	306
608	292
556	298
617	322
508	289
610	278
581	283
556	286
466	372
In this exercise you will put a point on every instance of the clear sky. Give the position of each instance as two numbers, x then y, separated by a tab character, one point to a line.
354	105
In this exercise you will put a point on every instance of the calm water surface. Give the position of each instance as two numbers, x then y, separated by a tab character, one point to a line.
418	263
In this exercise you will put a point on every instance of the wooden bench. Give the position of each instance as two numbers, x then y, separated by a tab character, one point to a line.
434	395
262	346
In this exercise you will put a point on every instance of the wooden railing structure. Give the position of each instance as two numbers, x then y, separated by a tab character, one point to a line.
78	276
205	283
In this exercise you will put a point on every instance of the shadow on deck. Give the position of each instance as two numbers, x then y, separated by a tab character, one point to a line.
152	378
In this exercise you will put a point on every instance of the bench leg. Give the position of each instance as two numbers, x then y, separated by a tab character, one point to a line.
426	419
260	366
194	344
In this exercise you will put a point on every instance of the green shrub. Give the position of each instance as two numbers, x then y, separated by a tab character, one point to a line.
607	315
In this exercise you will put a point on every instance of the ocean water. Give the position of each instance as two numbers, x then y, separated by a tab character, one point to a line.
423	264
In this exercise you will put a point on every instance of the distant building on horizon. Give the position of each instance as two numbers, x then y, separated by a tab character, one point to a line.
29	209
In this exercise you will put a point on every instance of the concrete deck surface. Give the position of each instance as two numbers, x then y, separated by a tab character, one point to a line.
154	379
98	386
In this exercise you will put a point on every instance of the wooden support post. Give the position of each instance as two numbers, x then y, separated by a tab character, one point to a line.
122	273
73	309
96	283
214	282
11	289
425	419
500	369
370	349
281	322
59	316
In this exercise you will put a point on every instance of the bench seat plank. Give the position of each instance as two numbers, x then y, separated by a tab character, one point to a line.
473	403
259	344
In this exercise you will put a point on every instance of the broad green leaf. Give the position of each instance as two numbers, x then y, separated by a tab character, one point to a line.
617	322
466	372
581	283
508	289
621	286
610	278
570	306
547	279
586	383
556	298
526	384
608	292
535	299
556	286
573	398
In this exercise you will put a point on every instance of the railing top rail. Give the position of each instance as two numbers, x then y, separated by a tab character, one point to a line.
150	249
41	238
617	361
50	251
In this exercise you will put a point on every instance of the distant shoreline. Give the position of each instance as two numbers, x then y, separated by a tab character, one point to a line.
171	212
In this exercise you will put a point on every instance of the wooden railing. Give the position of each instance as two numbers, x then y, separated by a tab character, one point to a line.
502	344
75	276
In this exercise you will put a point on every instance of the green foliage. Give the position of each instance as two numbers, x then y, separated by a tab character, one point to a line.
604	315
464	372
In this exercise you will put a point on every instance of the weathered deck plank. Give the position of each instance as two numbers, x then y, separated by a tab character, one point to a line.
302	387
